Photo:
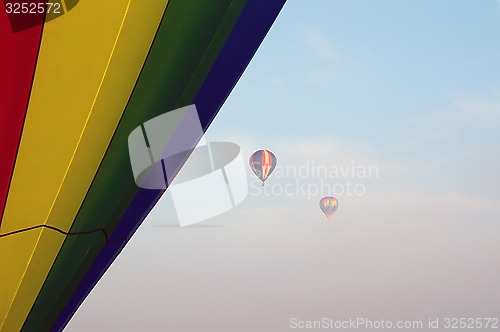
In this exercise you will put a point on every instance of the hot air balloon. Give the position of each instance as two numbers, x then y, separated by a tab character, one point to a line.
328	205
262	163
72	89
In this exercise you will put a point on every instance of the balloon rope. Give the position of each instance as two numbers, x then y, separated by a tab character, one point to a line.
101	230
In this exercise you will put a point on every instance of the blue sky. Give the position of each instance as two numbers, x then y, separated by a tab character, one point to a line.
412	87
366	66
407	79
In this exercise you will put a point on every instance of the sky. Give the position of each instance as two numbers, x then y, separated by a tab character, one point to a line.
408	88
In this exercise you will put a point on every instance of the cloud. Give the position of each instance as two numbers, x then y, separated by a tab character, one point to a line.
321	45
327	150
332	151
474	111
467	122
318	78
276	80
319	73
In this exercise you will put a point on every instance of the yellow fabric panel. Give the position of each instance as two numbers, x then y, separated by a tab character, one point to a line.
88	64
9	262
14	314
136	37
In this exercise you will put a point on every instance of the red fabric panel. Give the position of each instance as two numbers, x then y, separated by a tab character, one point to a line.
20	36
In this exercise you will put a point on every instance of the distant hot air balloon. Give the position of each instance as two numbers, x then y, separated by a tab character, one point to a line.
328	205
263	163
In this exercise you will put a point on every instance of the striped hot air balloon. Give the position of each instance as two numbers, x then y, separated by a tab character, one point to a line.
328	205
263	163
76	78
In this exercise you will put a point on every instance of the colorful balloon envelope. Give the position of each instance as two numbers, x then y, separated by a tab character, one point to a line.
328	205
263	163
76	78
